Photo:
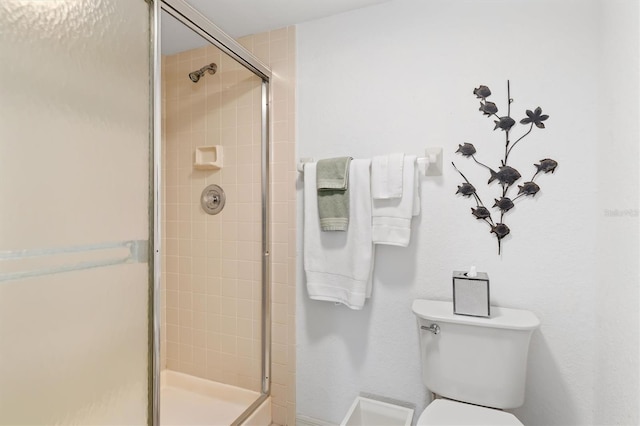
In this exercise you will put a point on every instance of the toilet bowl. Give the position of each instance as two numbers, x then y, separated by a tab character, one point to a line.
444	412
476	365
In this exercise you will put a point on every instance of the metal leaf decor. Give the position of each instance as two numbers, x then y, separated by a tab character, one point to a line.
505	176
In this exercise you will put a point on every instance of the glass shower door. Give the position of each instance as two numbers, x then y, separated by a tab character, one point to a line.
75	211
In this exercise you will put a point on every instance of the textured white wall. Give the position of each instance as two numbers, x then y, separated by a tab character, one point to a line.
617	291
400	76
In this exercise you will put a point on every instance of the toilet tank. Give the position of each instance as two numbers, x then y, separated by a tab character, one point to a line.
482	361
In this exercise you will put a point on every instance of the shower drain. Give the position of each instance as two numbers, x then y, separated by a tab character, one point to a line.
212	199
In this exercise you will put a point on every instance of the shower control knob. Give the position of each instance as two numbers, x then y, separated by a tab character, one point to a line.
212	199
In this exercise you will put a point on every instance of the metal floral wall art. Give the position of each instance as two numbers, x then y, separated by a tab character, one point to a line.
506	176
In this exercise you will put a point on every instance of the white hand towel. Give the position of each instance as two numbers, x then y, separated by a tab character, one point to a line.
338	265
386	176
391	218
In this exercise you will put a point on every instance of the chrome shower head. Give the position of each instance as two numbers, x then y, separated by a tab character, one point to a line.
195	76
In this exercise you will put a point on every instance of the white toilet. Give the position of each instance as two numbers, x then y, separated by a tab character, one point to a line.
473	363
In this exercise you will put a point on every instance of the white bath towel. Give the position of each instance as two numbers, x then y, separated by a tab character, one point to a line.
391	218
338	265
386	176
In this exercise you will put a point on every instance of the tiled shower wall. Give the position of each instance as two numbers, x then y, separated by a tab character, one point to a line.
211	269
277	50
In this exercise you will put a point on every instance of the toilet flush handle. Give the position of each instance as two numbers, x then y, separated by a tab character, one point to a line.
434	328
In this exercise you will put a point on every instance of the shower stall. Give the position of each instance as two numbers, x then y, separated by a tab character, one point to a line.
134	257
214	325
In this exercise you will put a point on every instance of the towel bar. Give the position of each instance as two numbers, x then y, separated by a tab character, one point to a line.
429	165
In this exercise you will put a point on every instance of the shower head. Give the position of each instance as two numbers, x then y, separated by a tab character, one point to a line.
195	76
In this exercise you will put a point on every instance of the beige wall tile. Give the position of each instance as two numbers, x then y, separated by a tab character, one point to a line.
212	263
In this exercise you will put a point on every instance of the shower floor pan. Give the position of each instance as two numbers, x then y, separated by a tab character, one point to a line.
187	400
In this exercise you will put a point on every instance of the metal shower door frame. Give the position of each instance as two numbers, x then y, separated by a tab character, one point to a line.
197	22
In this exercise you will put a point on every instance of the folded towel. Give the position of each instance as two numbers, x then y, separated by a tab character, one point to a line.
332	183
386	176
333	173
391	218
338	265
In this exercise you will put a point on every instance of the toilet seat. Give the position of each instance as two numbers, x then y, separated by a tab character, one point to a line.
446	412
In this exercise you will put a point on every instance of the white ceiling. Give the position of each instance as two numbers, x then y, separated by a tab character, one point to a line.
243	17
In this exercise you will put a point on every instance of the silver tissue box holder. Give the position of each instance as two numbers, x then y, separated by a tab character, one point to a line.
471	294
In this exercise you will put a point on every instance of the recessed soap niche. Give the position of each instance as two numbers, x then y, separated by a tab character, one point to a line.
208	157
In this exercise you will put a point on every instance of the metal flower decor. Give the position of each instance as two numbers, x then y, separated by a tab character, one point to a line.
506	175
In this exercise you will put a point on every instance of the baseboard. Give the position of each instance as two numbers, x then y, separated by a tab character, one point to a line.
308	421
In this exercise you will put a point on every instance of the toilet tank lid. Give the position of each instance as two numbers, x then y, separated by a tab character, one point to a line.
515	319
